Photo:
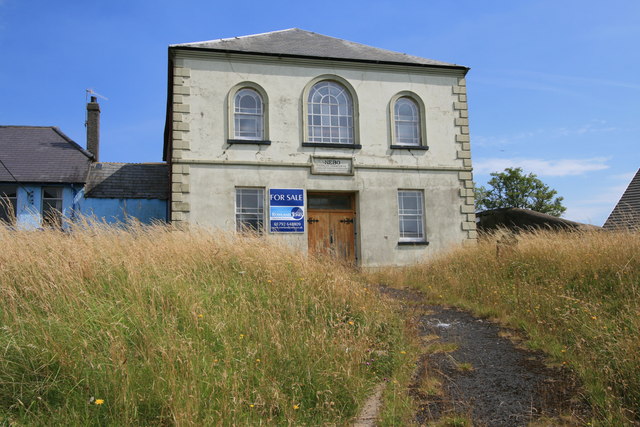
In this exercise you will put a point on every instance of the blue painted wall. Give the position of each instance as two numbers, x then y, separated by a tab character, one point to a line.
120	210
74	205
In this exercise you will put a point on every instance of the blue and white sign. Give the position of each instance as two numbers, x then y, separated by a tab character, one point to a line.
286	210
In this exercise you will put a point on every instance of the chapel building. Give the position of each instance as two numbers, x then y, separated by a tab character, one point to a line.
328	145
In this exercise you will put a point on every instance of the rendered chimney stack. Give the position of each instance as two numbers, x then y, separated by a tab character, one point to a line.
93	128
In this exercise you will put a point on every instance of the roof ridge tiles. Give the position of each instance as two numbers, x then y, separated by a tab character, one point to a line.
246	36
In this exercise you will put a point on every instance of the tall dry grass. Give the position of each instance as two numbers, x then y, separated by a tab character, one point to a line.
576	295
154	326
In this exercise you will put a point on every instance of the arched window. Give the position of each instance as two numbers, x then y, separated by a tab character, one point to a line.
406	119
330	114
248	115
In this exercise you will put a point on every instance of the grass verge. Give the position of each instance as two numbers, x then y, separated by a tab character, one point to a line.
154	326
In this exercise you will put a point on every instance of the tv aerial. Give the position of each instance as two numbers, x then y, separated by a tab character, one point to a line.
90	92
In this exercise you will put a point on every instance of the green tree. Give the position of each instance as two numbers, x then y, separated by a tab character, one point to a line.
513	189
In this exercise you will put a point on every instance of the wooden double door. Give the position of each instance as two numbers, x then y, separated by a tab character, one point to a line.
331	221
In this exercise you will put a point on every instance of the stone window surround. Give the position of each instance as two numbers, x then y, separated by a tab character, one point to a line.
421	116
231	114
304	119
304	125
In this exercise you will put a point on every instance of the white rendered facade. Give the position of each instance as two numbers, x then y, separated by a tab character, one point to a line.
208	164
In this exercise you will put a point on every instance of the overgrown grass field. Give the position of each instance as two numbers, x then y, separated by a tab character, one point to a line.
154	326
576	295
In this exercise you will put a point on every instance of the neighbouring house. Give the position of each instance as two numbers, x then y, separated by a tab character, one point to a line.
41	173
626	214
328	145
119	192
517	219
46	179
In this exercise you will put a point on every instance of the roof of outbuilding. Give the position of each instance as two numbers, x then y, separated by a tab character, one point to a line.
41	154
301	43
128	181
524	219
626	214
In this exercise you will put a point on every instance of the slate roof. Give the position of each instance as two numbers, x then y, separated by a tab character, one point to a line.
300	43
41	154
626	214
128	181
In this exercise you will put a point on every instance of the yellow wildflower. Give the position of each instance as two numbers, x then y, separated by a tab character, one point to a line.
351	323
258	360
251	405
403	352
99	402
200	316
296	407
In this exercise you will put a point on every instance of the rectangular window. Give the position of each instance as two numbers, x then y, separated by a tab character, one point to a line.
8	203
250	209
52	206
411	215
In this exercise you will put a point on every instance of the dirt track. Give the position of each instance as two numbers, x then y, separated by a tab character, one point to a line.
486	378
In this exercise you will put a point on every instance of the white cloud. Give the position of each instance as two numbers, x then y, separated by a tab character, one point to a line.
595	215
526	84
493	141
549	82
597	208
594	126
624	177
560	167
582	130
609	195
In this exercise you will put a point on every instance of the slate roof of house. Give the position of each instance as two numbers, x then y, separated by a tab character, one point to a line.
41	154
128	181
626	214
300	43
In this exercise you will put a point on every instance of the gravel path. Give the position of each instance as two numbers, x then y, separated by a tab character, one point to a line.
486	378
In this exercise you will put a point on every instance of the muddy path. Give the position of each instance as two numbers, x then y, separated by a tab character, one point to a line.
472	370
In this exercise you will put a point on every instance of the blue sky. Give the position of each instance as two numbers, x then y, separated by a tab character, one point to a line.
554	86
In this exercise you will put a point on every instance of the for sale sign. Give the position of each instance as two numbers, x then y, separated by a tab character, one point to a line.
286	210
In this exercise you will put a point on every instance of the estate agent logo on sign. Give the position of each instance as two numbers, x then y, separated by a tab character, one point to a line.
286	210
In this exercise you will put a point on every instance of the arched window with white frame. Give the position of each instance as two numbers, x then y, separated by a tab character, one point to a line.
330	114
406	118
248	115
